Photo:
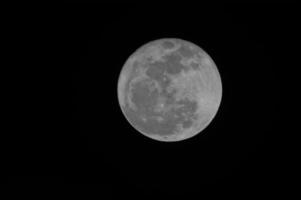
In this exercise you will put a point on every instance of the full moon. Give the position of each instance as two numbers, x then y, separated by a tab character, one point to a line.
182	89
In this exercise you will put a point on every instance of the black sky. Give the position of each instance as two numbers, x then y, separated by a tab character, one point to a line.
94	143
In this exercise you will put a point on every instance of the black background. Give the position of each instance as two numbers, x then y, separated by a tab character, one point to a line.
91	43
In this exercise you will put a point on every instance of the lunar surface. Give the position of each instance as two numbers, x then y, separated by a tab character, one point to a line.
169	89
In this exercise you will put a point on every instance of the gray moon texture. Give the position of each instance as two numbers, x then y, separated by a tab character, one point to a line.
203	84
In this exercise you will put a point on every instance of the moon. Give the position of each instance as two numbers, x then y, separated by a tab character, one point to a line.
199	81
